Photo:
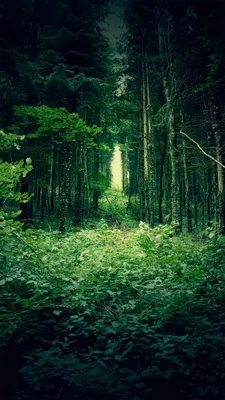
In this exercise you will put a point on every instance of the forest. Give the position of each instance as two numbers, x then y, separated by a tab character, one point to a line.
112	199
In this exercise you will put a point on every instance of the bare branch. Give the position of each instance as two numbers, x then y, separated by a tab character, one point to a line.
201	149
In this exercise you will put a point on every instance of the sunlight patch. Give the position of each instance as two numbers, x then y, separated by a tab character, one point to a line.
116	168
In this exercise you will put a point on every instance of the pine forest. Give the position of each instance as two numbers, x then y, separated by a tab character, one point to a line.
112	199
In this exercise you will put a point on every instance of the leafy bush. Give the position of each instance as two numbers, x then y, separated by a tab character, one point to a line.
113	313
10	175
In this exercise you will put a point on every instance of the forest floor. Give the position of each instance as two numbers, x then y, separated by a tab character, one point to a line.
114	310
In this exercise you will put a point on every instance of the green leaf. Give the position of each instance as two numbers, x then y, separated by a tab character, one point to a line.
56	312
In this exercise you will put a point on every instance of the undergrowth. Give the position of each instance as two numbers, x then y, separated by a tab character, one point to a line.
114	312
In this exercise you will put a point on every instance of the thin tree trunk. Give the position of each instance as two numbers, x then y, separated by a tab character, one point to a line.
141	180
151	154
24	207
195	200
96	192
171	142
79	192
209	192
168	83
145	142
86	181
43	202
66	168
48	203
186	182
216	128
52	181
161	173
38	198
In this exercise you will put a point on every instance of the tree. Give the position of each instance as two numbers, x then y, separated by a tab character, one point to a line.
61	129
175	56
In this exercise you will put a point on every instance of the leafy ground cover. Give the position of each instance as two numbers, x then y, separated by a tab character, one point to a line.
114	312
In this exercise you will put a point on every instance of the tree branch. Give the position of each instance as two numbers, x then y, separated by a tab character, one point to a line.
201	149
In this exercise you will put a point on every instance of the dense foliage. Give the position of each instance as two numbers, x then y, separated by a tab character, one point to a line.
56	83
108	294
113	312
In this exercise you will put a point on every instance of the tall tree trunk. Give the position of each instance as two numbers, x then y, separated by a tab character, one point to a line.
161	173
151	154
96	192
209	192
141	181
43	202
52	180
86	181
52	201
80	189
217	128
38	198
168	85
171	142
186	180
145	141
204	200
24	207
167	191
48	203
195	199
66	168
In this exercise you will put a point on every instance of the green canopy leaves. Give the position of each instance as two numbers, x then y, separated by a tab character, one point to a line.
58	122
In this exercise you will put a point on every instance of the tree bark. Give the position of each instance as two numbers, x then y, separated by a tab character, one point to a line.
168	85
186	181
195	199
96	193
141	182
66	168
161	173
151	155
145	142
43	202
80	190
52	180
216	116
24	207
